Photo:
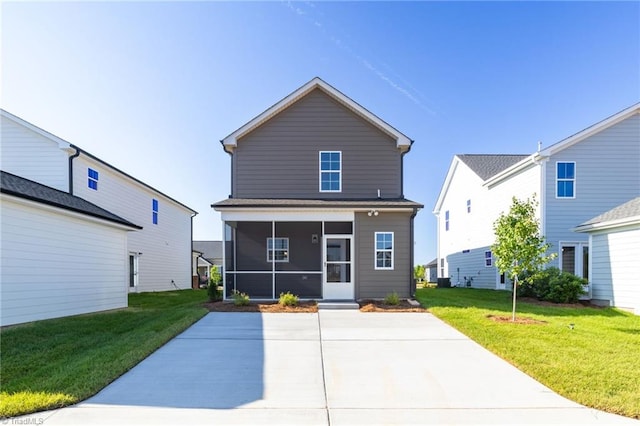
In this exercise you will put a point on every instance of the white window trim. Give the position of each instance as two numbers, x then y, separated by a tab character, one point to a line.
320	171
274	250
375	251
574	180
488	258
92	179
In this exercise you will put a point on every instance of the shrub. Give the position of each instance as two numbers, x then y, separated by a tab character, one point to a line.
392	299
288	299
240	299
215	277
214	292
554	285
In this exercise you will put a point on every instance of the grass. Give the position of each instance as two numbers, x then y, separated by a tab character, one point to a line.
54	363
596	363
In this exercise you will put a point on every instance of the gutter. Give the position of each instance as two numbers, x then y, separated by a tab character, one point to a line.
77	154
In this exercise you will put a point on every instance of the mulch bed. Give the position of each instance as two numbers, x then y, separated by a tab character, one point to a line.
306	307
519	320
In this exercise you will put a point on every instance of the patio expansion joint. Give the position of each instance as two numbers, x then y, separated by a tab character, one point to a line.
324	377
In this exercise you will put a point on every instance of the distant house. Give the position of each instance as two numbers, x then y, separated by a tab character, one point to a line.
61	255
317	205
574	180
614	239
210	255
158	256
431	273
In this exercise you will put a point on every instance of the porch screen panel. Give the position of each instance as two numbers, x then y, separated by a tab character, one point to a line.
305	246
305	286
251	246
257	286
230	284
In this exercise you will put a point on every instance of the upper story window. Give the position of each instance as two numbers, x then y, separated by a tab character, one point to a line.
384	250
488	258
446	220
330	171
468	206
277	249
565	179
154	208
93	177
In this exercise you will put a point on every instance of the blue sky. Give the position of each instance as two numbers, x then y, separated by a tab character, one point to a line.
152	87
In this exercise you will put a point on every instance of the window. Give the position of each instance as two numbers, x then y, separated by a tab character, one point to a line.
330	171
154	207
488	258
468	206
93	177
384	250
446	220
277	249
565	179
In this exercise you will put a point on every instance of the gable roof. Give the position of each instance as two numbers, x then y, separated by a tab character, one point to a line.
403	142
209	249
489	165
34	191
625	214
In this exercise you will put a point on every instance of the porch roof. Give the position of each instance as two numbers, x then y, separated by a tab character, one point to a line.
376	203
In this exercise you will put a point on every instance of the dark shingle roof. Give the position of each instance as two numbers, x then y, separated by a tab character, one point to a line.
623	211
30	190
209	249
311	203
487	165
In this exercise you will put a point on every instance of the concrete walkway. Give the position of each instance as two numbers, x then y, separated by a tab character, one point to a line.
329	368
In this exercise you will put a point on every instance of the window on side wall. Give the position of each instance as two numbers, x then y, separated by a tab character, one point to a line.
488	258
565	179
92	178
446	220
330	171
468	206
384	250
154	213
277	249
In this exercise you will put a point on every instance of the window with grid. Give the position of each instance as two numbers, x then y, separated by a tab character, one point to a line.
384	250
154	211
565	179
92	178
277	249
446	220
488	258
330	171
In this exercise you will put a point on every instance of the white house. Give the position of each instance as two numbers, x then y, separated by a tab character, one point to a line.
573	180
614	239
60	254
158	255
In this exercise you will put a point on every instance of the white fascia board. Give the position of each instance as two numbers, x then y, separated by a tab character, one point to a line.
402	141
62	144
516	168
65	212
445	185
628	222
590	131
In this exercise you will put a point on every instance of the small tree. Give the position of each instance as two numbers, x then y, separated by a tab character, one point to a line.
215	277
519	248
419	272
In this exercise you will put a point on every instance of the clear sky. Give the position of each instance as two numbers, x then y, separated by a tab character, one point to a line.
152	87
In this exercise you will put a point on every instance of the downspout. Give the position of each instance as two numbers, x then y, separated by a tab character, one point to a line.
77	154
191	255
412	281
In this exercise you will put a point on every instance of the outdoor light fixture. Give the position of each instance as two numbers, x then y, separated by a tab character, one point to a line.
373	213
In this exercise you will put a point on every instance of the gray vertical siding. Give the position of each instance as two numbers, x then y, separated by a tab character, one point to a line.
607	175
372	283
280	158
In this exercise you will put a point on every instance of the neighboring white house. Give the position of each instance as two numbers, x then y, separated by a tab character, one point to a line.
614	239
573	180
60	255
159	255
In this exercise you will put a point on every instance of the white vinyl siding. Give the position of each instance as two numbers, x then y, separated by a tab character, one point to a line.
30	155
165	248
55	264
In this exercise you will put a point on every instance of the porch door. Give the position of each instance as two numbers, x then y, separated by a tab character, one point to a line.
133	272
337	270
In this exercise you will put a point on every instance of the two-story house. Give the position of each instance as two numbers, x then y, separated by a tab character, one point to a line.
573	180
158	255
317	205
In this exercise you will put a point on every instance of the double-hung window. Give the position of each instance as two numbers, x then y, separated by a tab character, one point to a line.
446	220
154	213
92	178
330	171
277	249
384	250
565	179
468	206
488	258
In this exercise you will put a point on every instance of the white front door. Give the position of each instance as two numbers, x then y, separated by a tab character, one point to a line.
337	282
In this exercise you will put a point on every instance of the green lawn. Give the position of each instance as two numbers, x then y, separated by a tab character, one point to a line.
597	363
53	363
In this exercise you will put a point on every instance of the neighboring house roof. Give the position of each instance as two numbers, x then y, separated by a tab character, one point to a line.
488	165
623	215
33	191
210	249
402	141
310	203
433	263
69	147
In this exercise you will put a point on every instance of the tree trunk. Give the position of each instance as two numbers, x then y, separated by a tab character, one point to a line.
515	287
